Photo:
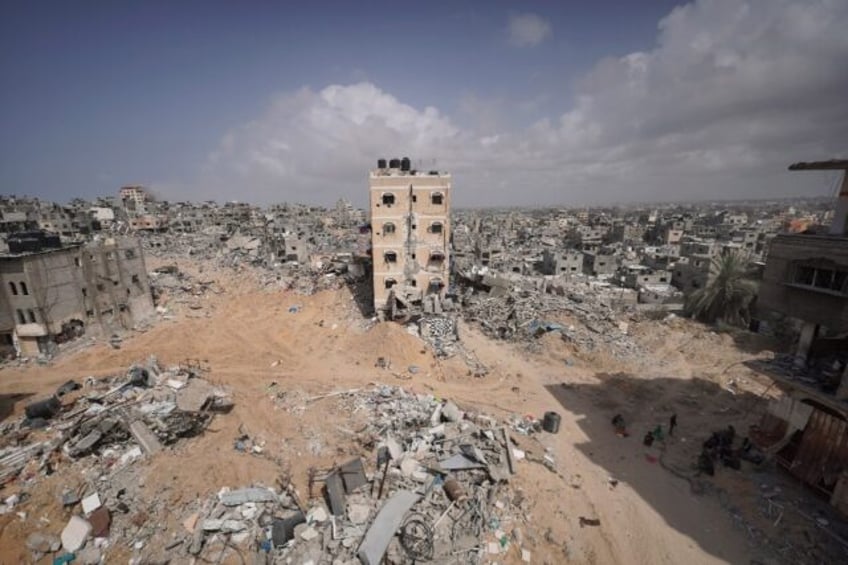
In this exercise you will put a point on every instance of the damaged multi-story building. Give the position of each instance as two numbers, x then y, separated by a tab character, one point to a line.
52	292
410	235
806	279
806	285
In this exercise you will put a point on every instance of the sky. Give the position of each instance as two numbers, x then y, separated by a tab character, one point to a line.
525	103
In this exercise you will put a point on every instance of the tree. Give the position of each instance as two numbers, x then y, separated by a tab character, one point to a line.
728	294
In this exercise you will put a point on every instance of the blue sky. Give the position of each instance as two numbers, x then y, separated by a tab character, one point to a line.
240	100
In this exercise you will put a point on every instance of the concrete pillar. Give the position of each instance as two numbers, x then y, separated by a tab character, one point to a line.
808	334
839	226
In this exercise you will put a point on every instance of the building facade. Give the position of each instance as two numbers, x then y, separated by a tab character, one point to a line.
410	234
133	197
53	292
562	262
806	277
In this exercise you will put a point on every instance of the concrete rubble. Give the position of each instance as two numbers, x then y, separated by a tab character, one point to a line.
332	262
523	308
102	428
402	505
397	502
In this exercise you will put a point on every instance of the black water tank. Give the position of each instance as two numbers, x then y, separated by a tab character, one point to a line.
381	163
394	164
550	423
405	165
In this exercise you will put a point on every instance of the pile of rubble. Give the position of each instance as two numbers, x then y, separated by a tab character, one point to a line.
520	309
104	425
432	484
173	288
440	333
823	372
242	253
438	489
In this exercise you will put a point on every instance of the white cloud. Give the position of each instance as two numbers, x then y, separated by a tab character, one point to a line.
528	30
732	93
316	146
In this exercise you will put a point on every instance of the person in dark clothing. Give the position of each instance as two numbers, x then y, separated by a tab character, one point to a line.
649	439
619	425
672	422
705	463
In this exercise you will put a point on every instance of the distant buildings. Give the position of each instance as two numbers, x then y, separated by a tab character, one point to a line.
416	242
410	223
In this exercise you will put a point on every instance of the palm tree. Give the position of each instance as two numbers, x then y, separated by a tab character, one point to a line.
728	294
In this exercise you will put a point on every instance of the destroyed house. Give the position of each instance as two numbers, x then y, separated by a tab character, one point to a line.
806	432
692	273
806	278
562	263
12	221
599	264
806	281
634	276
53	293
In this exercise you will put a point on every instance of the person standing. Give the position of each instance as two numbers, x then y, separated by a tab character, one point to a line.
672	422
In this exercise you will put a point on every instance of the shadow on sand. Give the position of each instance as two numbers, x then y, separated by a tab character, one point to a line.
362	290
8	401
702	407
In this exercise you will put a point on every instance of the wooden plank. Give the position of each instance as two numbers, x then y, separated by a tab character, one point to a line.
823	449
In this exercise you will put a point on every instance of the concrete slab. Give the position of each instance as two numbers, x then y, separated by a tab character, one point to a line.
75	534
90	503
145	438
233	526
385	524
244	495
451	412
395	449
194	396
87	442
459	462
211	525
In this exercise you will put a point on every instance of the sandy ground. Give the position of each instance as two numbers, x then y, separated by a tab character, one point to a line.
248	339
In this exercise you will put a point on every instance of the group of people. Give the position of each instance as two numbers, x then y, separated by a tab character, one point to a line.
719	447
620	427
657	433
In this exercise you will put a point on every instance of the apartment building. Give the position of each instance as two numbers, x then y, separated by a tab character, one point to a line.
410	234
133	197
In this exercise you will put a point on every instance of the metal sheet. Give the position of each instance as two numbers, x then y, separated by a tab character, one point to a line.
386	523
